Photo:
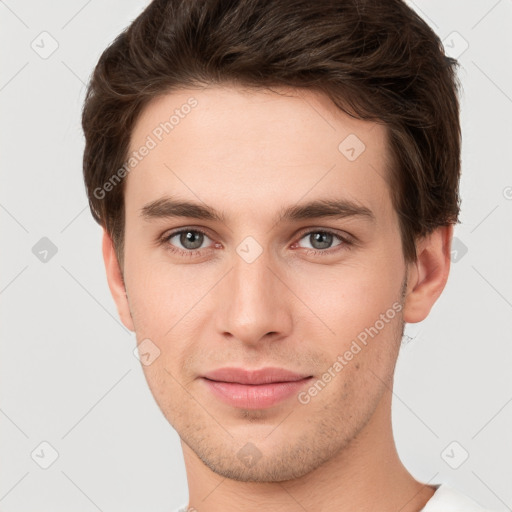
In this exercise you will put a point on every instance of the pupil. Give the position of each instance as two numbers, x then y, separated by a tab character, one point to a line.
187	239
321	240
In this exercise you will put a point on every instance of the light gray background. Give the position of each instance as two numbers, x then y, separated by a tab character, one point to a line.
69	376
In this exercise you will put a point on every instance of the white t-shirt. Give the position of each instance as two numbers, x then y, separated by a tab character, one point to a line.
445	499
448	499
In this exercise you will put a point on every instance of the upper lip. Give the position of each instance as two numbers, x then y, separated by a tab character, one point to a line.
261	376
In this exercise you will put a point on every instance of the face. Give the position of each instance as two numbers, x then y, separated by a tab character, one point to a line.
251	274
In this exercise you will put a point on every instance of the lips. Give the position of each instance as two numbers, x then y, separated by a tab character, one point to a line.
254	377
254	389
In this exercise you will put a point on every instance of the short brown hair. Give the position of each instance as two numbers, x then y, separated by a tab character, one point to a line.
375	59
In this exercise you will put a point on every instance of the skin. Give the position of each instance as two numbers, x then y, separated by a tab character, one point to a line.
248	154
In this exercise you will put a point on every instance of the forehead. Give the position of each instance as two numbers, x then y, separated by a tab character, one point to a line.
255	148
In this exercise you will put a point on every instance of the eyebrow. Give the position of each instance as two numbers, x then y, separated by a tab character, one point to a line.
167	207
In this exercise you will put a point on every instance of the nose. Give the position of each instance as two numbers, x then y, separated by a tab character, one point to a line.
255	302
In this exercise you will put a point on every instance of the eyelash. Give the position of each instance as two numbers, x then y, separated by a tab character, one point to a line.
346	242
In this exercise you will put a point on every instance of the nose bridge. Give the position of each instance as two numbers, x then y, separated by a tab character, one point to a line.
254	299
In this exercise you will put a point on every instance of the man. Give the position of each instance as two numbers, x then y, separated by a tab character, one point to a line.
278	183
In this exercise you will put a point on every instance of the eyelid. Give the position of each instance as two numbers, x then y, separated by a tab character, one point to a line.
342	235
346	242
346	239
166	236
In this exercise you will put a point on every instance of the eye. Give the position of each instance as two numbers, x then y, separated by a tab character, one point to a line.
190	242
185	241
320	241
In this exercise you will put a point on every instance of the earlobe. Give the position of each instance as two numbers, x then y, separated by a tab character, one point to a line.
115	281
428	275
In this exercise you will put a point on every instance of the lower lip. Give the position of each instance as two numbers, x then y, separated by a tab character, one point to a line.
254	396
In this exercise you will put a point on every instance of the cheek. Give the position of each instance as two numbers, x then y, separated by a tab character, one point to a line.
344	300
155	291
337	300
168	303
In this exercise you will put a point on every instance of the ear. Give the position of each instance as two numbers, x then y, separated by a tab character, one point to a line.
116	282
427	276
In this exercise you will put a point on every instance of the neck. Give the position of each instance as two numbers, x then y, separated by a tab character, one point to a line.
366	475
